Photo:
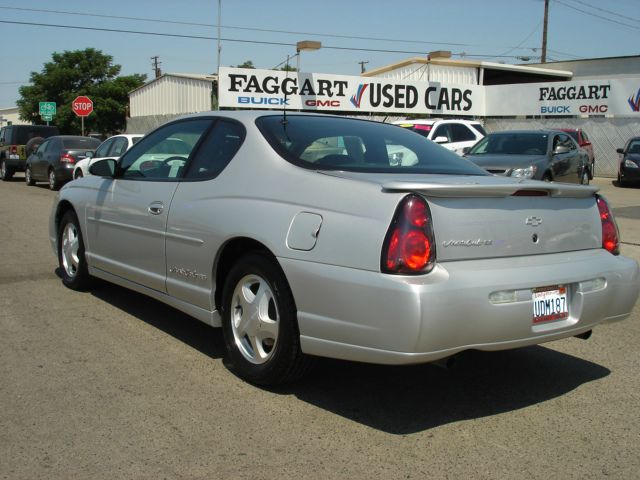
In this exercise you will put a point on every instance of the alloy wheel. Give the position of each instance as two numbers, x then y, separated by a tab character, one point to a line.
254	319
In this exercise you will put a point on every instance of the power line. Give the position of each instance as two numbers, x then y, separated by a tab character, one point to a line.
597	16
610	12
203	37
265	30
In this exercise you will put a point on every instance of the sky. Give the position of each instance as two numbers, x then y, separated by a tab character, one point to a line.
379	32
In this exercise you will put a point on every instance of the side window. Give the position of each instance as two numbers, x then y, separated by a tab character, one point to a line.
118	147
461	133
54	145
217	150
163	154
43	147
103	150
442	131
566	141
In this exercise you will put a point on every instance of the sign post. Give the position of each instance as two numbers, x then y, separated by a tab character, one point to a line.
47	110
82	106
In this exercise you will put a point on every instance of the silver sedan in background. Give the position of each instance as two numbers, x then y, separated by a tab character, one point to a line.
301	236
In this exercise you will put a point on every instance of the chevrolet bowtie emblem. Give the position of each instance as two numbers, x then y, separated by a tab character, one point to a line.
533	221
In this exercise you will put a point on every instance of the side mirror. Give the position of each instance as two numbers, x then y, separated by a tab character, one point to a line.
560	149
441	139
620	150
89	154
103	168
466	150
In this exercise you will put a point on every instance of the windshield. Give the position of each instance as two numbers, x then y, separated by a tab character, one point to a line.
516	143
336	143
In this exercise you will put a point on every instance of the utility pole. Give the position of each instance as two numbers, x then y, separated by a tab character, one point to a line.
219	21
362	64
156	66
543	59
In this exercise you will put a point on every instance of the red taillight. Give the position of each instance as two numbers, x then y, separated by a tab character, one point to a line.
409	245
66	158
610	236
13	149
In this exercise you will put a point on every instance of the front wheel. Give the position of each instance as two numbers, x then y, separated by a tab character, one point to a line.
584	178
259	323
78	174
71	258
28	177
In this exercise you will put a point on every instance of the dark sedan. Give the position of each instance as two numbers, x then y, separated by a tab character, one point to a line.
629	162
547	155
56	158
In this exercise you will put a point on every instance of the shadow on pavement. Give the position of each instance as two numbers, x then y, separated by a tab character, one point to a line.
395	399
410	399
181	326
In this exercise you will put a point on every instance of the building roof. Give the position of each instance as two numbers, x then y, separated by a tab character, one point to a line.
192	76
469	64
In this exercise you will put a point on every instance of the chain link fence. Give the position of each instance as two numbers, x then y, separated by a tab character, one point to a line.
606	134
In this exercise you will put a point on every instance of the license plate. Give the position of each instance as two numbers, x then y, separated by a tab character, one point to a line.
550	304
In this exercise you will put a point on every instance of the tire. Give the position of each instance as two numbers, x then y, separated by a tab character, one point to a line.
78	174
54	183
6	173
71	258
259	322
621	183
32	145
28	177
584	177
547	177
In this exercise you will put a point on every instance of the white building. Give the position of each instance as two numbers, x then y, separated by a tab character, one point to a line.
171	94
10	116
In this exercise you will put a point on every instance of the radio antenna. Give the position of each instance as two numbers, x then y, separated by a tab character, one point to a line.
284	105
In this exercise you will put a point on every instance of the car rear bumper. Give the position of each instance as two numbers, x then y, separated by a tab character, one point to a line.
15	163
372	317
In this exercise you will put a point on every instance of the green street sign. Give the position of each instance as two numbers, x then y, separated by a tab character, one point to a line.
48	109
47	118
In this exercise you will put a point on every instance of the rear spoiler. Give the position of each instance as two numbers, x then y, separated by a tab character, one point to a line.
481	190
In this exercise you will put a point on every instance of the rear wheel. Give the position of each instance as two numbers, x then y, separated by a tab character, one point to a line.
54	183
28	177
5	172
71	258
259	322
78	174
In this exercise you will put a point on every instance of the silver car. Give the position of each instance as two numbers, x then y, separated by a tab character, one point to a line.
301	236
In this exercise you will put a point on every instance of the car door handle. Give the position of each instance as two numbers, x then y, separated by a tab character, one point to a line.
156	208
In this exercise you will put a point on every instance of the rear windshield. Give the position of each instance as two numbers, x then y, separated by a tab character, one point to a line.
515	143
80	143
336	143
23	135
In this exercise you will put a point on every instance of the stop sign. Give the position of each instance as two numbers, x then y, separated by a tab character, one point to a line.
82	106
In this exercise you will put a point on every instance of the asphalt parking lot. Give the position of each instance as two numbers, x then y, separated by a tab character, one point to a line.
111	384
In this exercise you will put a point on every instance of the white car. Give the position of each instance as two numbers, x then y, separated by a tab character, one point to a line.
112	147
454	135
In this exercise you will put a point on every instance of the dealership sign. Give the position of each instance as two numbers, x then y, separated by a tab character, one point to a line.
249	88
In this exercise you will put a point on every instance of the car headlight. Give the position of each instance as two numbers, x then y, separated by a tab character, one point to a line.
629	164
527	172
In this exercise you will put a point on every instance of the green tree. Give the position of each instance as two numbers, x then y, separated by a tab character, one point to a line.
246	64
81	72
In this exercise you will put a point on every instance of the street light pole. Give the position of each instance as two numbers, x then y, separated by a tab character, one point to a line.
306	45
219	21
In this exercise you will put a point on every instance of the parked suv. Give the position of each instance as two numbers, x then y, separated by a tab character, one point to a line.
452	134
581	137
17	142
